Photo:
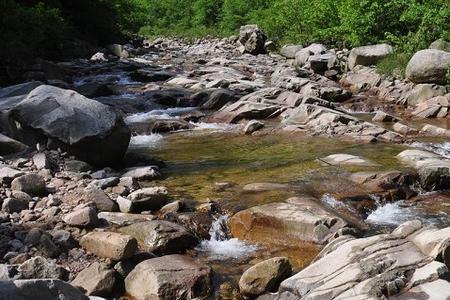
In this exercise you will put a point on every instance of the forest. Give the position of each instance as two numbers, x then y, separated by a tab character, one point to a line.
47	28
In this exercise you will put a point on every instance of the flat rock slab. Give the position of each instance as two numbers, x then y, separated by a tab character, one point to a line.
348	160
373	267
123	219
300	219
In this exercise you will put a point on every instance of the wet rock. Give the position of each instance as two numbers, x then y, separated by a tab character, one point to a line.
253	126
298	219
380	268
111	245
264	187
94	90
32	184
82	216
348	160
169	277
368	55
428	66
123	219
10	146
252	39
33	289
41	268
97	279
118	50
142	173
97	140
160	237
265	276
289	51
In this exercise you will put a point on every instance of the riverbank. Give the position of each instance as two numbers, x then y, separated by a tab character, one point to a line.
234	159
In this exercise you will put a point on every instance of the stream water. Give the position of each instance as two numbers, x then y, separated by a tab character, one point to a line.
202	159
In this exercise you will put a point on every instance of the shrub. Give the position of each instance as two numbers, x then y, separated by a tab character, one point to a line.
394	64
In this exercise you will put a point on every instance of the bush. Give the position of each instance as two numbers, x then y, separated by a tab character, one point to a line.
394	64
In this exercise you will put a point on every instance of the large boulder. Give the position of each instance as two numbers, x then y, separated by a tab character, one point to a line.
252	39
298	220
171	277
377	267
65	119
265	276
428	66
368	55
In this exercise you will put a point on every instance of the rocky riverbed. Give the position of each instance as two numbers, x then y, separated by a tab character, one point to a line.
222	169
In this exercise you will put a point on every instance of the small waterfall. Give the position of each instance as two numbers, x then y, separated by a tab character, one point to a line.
221	246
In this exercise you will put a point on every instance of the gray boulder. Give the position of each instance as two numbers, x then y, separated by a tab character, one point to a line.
252	39
170	277
41	268
368	55
302	56
289	51
440	44
63	118
97	280
428	66
32	184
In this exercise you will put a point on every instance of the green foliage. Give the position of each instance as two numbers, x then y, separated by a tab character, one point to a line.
394	64
42	25
25	30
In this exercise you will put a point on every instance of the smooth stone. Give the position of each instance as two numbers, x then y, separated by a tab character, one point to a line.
115	246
